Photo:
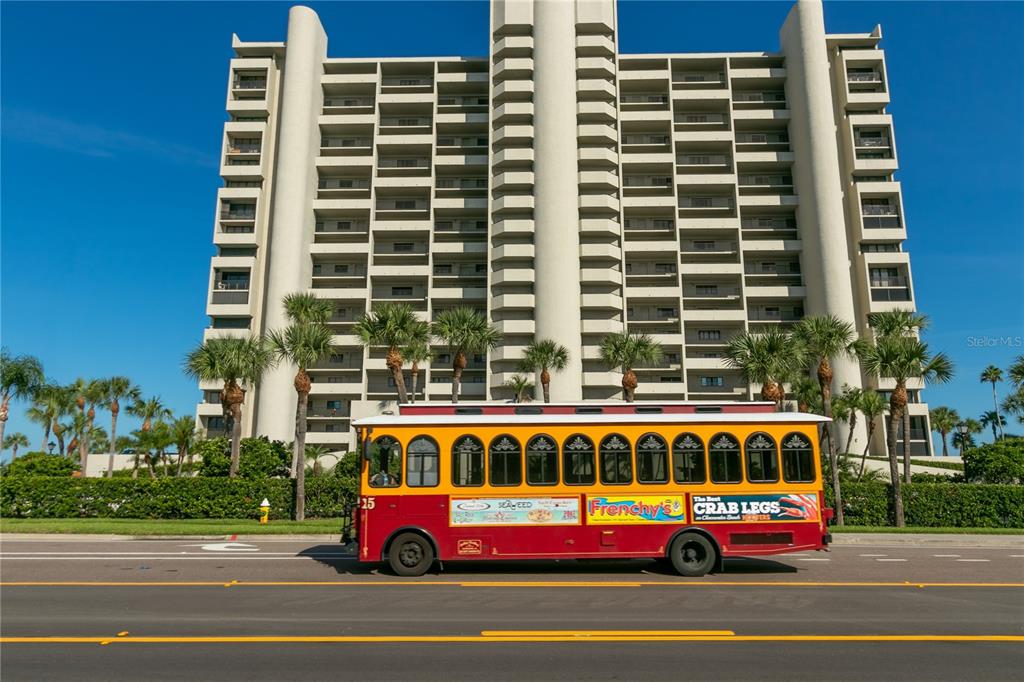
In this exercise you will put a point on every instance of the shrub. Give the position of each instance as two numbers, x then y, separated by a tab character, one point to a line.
215	456
41	464
936	505
998	462
263	458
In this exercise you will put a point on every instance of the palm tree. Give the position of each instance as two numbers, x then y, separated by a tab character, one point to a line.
994	421
994	375
117	388
50	403
766	358
848	401
13	442
964	441
87	393
183	431
944	420
871	405
1016	372
394	326
314	453
1014	403
545	355
415	353
901	358
149	411
806	393
627	351
521	387
20	376
464	331
237	361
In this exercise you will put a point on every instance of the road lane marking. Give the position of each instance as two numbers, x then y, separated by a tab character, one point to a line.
681	583
973	559
813	559
890	559
947	556
873	555
606	633
387	639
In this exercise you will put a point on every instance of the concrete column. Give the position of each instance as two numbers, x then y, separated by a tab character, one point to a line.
292	221
556	190
826	264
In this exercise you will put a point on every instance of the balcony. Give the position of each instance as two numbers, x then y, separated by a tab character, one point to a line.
649	225
775	140
345	146
343	104
703	163
766	99
249	83
770	314
705	203
230	292
690	79
878	216
770	184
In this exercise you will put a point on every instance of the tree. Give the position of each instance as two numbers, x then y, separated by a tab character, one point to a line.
41	464
394	326
464	331
238	362
1014	403
994	421
805	392
521	387
998	462
20	376
901	358
13	442
88	393
848	401
871	405
994	375
944	420
626	352
415	353
767	358
183	431
117	388
545	355
50	404
314	453
149	410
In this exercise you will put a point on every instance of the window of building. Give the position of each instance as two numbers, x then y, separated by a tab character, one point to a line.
402	247
385	463
712	381
709	335
405	204
442	269
578	460
707	289
797	459
665	268
762	460
401	291
616	460
665	313
422	462
541	461
688	459
651	459
467	461
506	462
724	453
703	246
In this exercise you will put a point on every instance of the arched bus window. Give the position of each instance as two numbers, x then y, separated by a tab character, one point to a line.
422	460
616	460
386	463
506	461
724	454
651	459
541	461
467	461
797	459
688	459
578	460
762	459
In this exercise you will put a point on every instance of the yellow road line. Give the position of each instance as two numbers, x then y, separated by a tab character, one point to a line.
468	639
498	583
606	633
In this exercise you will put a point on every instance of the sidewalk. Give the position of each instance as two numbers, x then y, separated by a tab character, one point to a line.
927	540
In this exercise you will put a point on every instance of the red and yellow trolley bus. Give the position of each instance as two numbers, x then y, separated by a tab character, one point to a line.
692	487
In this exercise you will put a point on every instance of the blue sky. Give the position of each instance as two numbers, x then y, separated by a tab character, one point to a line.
111	129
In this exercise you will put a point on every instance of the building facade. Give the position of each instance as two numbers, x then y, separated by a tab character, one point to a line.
689	196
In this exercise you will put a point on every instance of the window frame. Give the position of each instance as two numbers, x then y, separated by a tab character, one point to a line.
566	453
702	452
629	459
747	461
519	461
666	460
483	461
739	457
401	462
809	448
555	452
422	457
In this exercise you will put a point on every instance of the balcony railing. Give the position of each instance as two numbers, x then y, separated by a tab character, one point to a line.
864	77
238	215
645	139
762	138
890	281
460	226
462	183
250	84
763	97
649	224
705	202
344	142
244	149
229	297
774	315
348	102
890	294
647	181
643	99
697	77
342	226
878	209
702	160
768	223
888	222
448	101
871	142
408	81
765	181
237	229
699	118
403	163
343	183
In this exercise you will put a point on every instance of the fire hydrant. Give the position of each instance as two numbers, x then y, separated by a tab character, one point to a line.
264	511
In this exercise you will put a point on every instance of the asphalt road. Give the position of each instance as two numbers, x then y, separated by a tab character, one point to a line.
271	609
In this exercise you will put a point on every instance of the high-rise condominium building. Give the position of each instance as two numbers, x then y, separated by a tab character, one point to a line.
565	191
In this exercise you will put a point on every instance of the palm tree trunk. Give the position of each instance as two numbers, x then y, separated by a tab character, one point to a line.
135	469
456	382
415	372
46	438
59	433
894	467
236	438
113	438
849	436
299	451
864	455
629	384
14	451
995	406
5	406
830	428
545	384
149	464
906	445
181	461
945	450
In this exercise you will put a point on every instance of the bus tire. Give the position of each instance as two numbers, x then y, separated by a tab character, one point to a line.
692	555
410	554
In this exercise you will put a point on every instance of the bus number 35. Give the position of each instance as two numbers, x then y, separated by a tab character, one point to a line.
367	502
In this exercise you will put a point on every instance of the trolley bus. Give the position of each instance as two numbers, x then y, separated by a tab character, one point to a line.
690	487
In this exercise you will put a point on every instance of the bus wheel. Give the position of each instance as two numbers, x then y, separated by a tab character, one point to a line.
692	555
410	554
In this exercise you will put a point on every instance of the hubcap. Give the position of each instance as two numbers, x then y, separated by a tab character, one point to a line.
693	554
411	554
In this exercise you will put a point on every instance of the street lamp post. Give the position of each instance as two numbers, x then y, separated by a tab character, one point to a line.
964	434
50	446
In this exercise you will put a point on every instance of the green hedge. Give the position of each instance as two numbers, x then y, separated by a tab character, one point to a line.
166	498
936	504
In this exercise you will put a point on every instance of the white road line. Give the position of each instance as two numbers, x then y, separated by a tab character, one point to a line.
873	555
1017	556
947	556
973	559
231	557
890	559
811	559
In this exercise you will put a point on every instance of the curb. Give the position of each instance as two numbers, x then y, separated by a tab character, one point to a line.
927	540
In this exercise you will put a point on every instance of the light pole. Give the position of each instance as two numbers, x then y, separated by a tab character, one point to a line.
50	446
964	435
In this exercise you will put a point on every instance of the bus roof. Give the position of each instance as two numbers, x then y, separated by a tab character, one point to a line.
590	407
516	419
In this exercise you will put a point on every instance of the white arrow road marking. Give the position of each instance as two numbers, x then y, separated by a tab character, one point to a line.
227	547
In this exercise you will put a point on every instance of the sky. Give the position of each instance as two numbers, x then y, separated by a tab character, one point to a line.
111	120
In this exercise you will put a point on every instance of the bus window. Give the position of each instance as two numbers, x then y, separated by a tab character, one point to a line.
651	459
422	460
467	461
541	461
506	461
688	459
578	460
762	461
724	454
616	460
797	459
386	463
